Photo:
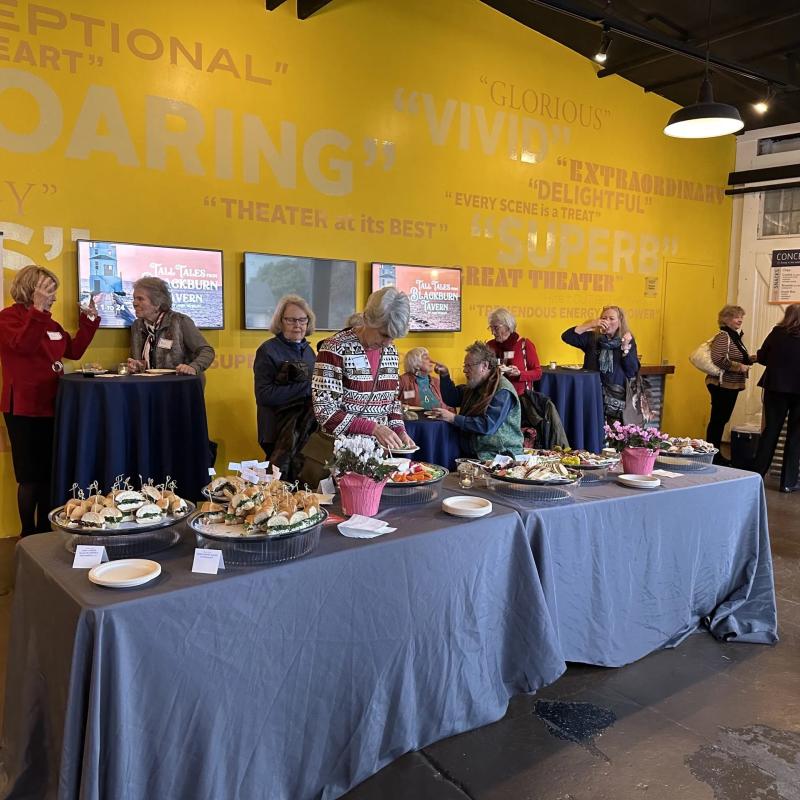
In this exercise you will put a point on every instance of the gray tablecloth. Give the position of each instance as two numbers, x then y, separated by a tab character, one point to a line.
287	682
629	571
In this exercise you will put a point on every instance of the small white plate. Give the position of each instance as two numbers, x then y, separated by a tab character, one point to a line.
403	450
160	371
465	505
639	481
415	408
125	573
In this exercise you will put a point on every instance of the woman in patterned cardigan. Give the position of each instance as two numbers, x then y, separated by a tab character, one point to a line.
356	376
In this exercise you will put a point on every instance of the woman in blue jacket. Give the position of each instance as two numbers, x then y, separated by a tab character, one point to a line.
610	349
283	369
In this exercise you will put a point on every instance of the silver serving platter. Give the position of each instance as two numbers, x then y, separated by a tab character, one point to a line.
538	482
57	520
221	532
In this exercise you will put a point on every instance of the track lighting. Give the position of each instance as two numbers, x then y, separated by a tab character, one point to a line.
602	52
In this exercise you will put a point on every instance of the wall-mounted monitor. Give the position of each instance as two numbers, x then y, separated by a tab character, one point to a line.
108	271
435	293
327	285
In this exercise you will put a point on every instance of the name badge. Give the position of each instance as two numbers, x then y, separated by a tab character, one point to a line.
408	395
165	344
54	336
508	355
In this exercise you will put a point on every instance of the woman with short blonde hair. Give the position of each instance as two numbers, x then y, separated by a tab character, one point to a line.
293	299
32	345
282	372
517	356
419	385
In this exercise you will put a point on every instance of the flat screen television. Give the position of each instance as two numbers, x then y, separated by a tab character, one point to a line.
435	293
108	271
327	285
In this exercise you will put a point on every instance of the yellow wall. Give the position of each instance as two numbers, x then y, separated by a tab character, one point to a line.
392	110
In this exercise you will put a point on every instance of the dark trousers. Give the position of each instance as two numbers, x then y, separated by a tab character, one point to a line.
722	403
776	406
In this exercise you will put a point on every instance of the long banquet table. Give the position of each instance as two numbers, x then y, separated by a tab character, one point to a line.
287	682
629	571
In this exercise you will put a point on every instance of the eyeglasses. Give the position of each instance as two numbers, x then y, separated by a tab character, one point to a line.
496	327
472	364
296	320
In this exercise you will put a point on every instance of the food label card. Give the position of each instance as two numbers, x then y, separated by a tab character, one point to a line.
249	474
208	562
88	556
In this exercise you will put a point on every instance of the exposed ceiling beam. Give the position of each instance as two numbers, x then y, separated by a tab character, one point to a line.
764	77
640	33
740	30
305	8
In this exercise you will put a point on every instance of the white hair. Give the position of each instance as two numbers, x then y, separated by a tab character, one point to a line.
414	357
389	309
502	316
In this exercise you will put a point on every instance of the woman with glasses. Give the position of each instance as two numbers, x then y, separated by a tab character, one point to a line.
283	369
490	417
356	377
517	356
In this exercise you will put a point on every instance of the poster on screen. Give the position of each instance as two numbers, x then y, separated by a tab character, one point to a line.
434	292
108	271
784	279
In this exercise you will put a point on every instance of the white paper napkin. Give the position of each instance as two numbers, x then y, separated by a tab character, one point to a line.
361	527
665	473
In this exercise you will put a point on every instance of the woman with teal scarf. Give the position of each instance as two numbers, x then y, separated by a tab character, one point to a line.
610	349
419	385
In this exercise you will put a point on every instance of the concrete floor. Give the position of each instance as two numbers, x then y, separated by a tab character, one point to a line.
705	721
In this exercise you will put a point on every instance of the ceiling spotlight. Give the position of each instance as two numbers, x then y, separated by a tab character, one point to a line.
706	118
602	52
762	106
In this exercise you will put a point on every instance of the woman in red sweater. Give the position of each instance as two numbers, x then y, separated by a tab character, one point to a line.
519	362
32	345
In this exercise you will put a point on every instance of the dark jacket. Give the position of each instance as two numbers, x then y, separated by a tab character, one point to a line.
780	354
280	380
624	366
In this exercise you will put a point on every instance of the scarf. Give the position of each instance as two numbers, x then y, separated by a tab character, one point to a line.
477	399
605	357
736	337
150	341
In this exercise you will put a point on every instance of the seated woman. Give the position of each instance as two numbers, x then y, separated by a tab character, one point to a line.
162	338
418	385
518	359
282	370
608	347
489	421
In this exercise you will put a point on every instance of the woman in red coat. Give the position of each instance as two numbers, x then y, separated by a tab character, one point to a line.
32	345
519	362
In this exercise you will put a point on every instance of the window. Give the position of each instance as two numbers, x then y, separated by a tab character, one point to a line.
781	213
779	144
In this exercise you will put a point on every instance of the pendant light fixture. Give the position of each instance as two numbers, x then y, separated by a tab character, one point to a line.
705	118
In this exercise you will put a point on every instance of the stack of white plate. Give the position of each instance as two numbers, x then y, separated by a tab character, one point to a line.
125	573
639	481
466	506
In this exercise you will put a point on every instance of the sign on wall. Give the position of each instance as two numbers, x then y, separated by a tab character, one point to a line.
784	280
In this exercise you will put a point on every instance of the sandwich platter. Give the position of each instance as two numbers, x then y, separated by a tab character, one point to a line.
546	474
